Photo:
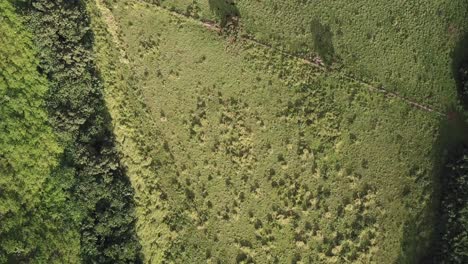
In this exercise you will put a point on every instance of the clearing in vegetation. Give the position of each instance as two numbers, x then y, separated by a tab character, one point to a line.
238	152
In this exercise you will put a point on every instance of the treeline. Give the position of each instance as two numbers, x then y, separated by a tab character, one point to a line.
452	244
35	207
84	207
78	112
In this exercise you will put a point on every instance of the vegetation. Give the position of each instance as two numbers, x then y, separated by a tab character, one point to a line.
241	153
404	46
67	189
464	84
78	112
454	217
84	206
452	240
303	132
34	203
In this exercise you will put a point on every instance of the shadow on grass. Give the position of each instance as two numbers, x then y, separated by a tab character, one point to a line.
452	141
460	69
420	234
225	10
322	38
111	223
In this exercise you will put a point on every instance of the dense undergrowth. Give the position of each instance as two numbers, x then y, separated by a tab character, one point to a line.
452	237
34	203
76	207
238	153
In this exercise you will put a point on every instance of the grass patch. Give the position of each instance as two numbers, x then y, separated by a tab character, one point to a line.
238	153
404	46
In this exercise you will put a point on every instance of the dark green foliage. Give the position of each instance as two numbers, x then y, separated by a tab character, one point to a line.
322	38
34	204
453	241
464	84
79	114
225	10
454	237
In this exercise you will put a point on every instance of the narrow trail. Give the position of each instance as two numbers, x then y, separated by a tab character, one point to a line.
113	29
214	26
348	77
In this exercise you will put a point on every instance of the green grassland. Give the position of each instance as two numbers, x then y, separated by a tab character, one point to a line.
405	46
238	153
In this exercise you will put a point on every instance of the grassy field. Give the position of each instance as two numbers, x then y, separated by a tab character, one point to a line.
405	46
238	153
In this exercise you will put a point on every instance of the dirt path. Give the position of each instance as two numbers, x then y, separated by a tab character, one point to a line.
113	29
213	26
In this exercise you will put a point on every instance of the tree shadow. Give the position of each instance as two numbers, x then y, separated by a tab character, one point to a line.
225	10
460	69
101	187
322	41
114	199
452	140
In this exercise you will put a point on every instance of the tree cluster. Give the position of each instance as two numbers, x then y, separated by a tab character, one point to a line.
87	194
36	214
454	208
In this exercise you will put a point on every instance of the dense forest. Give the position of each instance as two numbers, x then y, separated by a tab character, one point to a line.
33	199
454	212
69	189
452	240
81	202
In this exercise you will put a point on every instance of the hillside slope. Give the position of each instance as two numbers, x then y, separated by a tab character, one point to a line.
404	46
241	153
